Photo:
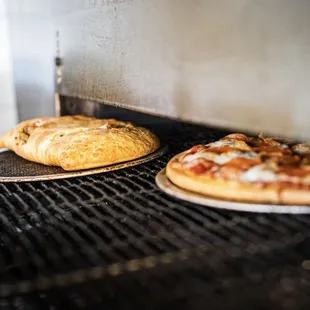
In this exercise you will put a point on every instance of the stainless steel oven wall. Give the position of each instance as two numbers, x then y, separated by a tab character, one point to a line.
8	111
242	63
32	39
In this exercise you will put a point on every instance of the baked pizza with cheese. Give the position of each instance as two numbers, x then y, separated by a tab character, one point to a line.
242	168
78	142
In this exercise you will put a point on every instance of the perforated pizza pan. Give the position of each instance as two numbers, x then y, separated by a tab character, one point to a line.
16	169
168	187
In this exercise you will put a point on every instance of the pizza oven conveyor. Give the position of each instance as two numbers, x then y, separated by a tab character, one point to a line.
115	241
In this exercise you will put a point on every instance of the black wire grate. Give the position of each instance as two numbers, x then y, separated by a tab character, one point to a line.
116	240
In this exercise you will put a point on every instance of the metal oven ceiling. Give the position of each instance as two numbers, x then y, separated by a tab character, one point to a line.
241	64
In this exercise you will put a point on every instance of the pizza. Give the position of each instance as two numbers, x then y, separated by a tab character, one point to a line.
242	168
78	142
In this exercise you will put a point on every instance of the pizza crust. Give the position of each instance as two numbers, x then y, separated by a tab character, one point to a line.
229	190
78	142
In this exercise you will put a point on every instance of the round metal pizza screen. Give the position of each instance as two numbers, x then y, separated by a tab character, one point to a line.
16	169
168	187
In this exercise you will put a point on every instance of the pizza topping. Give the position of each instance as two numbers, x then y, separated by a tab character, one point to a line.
230	172
287	160
223	149
266	173
306	180
197	148
244	163
284	146
200	166
237	136
279	158
260	142
305	162
301	149
241	145
260	173
194	149
293	171
219	158
274	143
251	160
271	150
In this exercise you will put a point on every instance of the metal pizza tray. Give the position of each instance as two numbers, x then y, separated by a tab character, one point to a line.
16	169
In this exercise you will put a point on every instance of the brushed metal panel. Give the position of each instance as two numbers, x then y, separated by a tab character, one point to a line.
8	114
32	39
243	64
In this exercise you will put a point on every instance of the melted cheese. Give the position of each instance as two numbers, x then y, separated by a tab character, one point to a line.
260	173
302	149
219	159
306	180
264	173
241	145
283	146
219	143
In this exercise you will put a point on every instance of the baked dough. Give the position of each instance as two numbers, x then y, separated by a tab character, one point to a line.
234	191
78	142
292	191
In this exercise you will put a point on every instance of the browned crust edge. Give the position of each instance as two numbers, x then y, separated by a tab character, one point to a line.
232	190
114	146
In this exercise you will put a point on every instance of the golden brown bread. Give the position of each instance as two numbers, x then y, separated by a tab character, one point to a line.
79	142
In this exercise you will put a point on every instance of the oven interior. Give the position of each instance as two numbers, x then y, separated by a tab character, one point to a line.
115	241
